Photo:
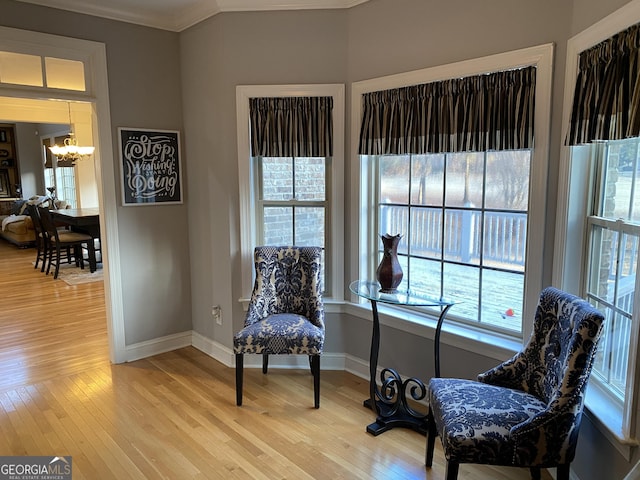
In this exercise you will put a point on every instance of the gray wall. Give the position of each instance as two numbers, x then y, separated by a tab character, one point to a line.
179	260
217	55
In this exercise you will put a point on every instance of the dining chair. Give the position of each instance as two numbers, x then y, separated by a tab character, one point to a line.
286	313
525	412
62	243
40	237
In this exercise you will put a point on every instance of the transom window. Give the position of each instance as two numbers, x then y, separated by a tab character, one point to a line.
38	71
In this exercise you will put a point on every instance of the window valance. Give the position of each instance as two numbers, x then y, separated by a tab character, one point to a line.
606	101
493	111
291	126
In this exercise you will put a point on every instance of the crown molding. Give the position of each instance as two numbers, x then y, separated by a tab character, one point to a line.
178	15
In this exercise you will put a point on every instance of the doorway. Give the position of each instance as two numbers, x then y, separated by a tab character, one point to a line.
42	105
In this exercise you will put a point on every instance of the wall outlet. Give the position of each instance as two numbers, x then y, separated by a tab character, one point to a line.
216	313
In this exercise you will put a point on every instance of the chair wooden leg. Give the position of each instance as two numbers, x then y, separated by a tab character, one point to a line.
535	473
563	471
315	370
239	368
432	433
452	471
57	265
45	254
38	254
265	362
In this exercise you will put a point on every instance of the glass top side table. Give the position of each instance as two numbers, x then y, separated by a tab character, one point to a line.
390	400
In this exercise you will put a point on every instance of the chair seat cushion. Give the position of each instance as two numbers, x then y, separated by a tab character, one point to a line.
282	333
474	419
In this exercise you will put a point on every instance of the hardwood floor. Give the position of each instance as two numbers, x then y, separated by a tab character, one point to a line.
173	416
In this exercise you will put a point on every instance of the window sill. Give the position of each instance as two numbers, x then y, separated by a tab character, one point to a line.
488	344
606	415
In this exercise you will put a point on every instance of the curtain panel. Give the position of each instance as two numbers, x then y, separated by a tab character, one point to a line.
493	111
291	126
606	101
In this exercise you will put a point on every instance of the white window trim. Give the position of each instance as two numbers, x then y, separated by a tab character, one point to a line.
247	201
364	209
570	239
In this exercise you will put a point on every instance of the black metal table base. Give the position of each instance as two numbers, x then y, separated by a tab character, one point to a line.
399	419
391	398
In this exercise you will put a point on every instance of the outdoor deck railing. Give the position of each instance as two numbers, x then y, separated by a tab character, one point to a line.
503	243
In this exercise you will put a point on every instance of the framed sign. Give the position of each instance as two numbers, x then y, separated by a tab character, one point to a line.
151	171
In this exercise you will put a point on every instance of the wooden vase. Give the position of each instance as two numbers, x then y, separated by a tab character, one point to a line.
389	273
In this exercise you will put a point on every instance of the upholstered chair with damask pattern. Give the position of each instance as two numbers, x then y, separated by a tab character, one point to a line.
286	314
525	412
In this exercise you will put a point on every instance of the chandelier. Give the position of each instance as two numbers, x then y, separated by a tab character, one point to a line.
70	150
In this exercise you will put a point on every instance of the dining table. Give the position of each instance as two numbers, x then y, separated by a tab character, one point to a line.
84	220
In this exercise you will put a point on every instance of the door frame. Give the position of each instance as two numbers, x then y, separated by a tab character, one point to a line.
93	54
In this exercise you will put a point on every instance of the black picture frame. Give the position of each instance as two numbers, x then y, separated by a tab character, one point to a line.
3	136
151	168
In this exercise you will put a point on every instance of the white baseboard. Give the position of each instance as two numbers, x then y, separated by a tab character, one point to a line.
157	346
214	349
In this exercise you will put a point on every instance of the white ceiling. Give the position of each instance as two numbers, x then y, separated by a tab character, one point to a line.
176	15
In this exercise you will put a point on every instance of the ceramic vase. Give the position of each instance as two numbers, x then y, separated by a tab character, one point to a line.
389	272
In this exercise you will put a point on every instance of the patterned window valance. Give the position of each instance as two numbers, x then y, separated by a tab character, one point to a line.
606	101
479	113
291	126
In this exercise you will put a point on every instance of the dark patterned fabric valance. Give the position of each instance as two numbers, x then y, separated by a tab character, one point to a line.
291	126
606	101
479	113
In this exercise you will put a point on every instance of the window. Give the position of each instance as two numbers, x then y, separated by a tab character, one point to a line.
463	217
45	72
472	222
291	202
290	197
613	228
598	221
59	175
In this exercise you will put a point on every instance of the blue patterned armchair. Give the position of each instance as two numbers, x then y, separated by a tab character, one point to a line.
525	412
286	314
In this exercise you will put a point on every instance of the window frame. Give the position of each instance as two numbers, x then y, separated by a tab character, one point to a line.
575	189
247	181
364	243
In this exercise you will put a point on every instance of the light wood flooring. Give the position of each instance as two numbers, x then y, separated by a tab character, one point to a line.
173	416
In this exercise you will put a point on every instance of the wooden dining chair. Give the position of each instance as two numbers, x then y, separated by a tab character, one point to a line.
41	238
63	243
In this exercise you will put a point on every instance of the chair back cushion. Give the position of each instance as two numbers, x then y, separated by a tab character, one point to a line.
559	353
287	280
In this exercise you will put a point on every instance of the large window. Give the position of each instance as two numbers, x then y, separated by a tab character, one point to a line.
463	217
292	195
472	214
